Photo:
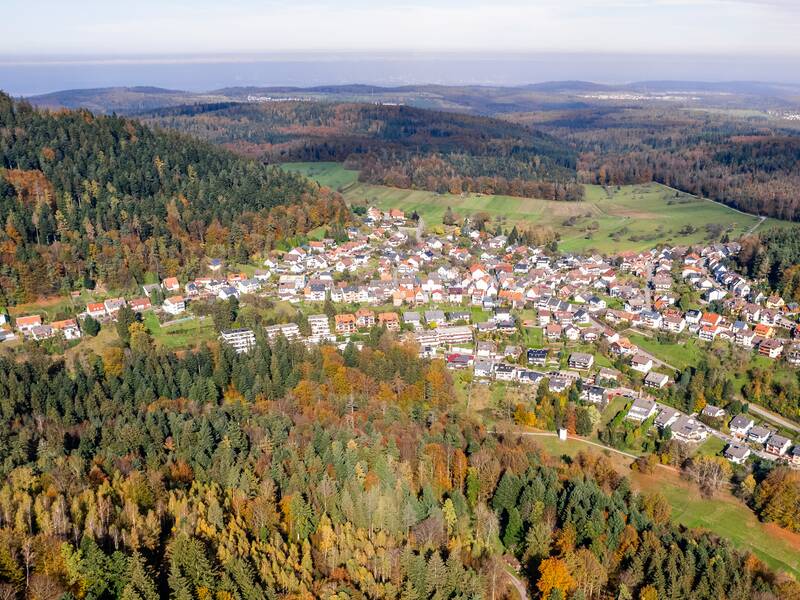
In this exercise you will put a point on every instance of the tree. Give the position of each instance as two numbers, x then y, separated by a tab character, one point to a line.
125	318
709	472
777	498
554	575
90	326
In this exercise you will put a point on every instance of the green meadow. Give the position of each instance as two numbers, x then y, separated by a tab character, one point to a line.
634	217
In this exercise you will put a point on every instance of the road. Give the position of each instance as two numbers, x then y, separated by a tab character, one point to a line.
521	588
584	440
771	416
656	361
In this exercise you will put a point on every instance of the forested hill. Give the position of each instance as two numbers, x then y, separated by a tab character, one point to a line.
294	472
393	145
86	198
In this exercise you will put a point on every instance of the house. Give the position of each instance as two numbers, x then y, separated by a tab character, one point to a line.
113	305
413	319
390	320
504	372
214	264
641	410
365	318
241	340
226	292
581	361
41	332
95	310
770	347
174	305
537	356
712	412
68	328
656	380
737	453
759	434
345	323
25	324
641	363
559	385
435	317
140	304
606	374
689	430
778	445
594	394
483	367
486	349
667	416
459	361
795	455
171	284
741	425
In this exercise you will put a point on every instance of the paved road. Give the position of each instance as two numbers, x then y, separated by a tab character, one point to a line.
771	416
656	361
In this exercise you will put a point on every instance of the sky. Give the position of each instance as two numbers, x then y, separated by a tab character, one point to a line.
48	45
105	27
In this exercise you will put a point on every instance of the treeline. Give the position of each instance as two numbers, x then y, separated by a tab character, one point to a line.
392	145
299	473
774	256
86	199
749	164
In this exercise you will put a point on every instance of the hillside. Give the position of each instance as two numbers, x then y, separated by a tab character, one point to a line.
87	199
297	472
608	220
394	145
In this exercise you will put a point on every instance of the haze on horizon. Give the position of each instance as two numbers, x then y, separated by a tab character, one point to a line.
177	43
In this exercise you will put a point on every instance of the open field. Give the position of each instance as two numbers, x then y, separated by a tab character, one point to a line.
634	217
724	514
184	334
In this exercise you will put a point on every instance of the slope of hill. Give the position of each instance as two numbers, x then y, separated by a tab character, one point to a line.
86	198
394	145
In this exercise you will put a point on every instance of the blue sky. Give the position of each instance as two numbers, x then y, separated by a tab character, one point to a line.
36	27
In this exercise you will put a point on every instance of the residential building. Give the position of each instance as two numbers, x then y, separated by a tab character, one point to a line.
641	409
581	361
174	305
241	340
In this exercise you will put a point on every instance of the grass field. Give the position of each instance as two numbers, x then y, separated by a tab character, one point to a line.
724	514
633	217
180	335
687	353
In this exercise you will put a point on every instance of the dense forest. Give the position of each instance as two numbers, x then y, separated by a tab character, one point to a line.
391	145
299	473
748	163
87	199
774	255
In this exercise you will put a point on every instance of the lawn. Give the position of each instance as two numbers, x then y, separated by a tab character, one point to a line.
713	446
634	217
686	353
184	334
723	515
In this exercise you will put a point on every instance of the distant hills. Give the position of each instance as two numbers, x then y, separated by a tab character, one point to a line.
488	100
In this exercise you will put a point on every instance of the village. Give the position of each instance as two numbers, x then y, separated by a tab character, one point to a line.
503	312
